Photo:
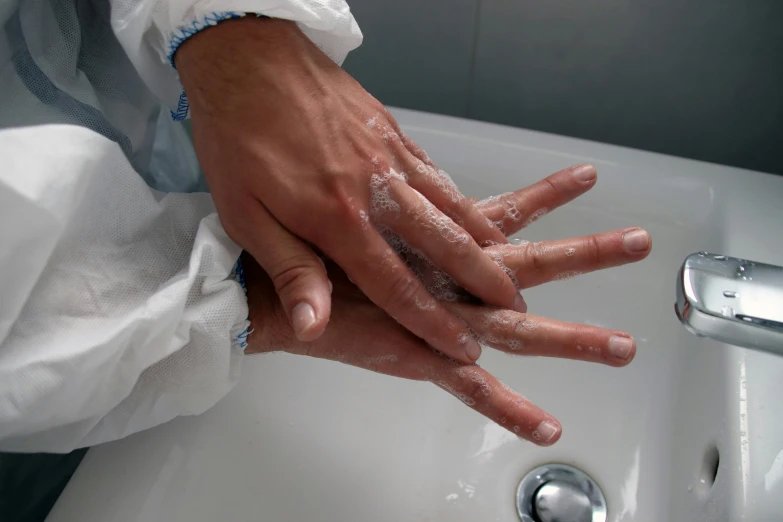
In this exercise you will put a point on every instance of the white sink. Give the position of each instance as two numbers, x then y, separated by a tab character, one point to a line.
308	440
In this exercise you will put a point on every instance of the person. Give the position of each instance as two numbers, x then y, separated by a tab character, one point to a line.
124	301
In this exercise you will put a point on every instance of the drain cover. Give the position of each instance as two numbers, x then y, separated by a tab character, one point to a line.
560	493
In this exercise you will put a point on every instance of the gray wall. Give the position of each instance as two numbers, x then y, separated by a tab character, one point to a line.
699	79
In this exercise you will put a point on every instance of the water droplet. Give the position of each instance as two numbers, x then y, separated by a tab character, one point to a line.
729	293
719	258
727	311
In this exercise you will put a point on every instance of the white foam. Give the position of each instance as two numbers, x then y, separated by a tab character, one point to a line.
427	306
497	256
492	199
381	201
443	181
514	344
470	401
480	380
463	338
437	282
375	361
564	276
432	218
535	216
570	251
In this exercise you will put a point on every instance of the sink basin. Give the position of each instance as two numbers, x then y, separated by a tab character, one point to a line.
692	430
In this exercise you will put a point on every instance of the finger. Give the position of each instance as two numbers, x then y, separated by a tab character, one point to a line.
537	263
380	273
484	393
389	349
436	185
516	210
523	334
427	231
298	274
438	188
415	149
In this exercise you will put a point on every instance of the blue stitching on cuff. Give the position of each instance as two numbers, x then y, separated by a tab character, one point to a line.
240	342
239	274
183	106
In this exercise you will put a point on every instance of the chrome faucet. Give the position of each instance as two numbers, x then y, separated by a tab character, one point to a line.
732	300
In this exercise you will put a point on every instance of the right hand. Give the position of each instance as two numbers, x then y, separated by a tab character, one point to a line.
361	334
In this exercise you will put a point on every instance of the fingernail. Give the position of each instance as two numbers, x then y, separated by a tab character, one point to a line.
331	287
584	173
519	304
620	347
472	349
546	431
303	317
636	240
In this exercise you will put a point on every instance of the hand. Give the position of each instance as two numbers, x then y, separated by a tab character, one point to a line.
361	334
296	154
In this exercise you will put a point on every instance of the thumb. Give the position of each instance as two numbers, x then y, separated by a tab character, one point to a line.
298	274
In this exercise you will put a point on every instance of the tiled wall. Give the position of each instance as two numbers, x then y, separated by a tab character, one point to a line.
694	78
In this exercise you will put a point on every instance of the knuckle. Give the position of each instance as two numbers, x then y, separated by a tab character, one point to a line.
286	274
534	255
402	292
593	249
521	325
333	170
346	208
549	188
461	253
473	383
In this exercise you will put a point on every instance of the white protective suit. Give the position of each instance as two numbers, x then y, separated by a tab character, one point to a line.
120	305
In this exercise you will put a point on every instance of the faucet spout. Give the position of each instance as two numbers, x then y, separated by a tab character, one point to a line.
732	300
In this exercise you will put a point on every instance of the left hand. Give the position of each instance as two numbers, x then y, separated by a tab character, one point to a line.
363	335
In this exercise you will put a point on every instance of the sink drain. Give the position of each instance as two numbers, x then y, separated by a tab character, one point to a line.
560	493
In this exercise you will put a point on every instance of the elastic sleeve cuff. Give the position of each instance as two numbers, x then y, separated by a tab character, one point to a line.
240	339
153	30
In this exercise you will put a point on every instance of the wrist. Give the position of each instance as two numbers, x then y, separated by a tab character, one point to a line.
221	66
